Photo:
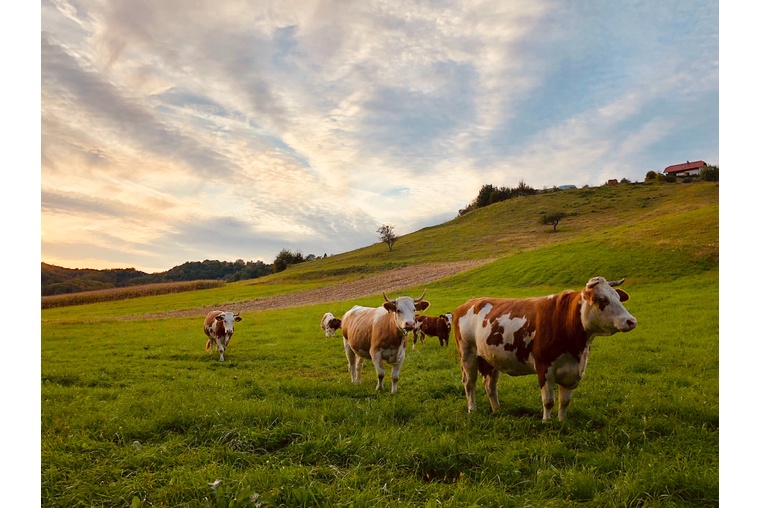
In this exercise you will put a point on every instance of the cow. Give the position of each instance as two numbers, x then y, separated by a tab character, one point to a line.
219	327
379	334
330	324
438	326
549	336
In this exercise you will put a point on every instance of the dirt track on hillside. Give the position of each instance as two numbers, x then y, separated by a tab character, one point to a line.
390	282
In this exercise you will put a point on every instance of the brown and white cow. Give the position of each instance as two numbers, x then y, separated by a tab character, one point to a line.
330	324
435	326
549	336
379	334
219	327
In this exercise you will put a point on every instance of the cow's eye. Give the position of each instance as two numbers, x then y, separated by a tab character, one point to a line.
603	300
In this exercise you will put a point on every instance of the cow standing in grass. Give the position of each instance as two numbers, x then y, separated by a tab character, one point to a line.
436	326
379	334
330	324
219	327
549	336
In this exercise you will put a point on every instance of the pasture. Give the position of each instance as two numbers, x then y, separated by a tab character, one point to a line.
136	413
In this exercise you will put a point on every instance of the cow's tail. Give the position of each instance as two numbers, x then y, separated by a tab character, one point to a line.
208	344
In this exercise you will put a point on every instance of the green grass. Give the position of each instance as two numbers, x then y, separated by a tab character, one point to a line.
136	413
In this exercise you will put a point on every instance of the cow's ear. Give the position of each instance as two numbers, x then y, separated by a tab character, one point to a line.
390	306
421	305
623	295
220	317
238	318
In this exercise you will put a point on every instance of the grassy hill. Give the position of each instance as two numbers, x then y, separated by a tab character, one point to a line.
625	215
136	413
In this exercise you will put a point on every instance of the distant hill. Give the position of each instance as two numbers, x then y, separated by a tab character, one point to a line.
57	280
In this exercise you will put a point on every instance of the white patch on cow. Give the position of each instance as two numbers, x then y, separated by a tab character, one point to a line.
476	329
511	326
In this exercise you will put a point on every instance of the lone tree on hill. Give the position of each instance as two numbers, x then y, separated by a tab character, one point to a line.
553	218
387	235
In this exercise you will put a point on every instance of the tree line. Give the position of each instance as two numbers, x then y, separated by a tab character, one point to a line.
490	194
57	280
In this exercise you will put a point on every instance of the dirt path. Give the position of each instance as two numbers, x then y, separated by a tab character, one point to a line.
390	282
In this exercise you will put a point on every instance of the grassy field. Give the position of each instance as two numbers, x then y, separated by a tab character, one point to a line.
136	413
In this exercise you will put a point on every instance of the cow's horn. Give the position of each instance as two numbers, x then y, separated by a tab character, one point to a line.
614	283
386	298
422	296
593	282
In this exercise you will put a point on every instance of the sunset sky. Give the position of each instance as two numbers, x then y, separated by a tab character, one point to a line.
176	131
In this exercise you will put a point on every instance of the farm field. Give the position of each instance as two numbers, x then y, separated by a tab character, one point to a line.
136	413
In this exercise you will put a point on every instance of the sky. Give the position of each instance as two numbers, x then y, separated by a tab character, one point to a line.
175	131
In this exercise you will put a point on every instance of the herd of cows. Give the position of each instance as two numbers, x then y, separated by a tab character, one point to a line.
548	336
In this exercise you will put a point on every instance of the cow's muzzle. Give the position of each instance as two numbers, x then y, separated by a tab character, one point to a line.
629	324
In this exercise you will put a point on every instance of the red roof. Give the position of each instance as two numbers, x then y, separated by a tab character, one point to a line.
684	167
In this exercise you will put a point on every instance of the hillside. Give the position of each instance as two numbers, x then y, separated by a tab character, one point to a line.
664	217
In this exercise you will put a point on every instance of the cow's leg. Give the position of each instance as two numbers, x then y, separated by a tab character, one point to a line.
564	400
547	394
490	382
422	338
397	369
469	365
377	359
358	364
351	357
220	346
490	378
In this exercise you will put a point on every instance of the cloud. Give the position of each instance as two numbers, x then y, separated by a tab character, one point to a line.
312	123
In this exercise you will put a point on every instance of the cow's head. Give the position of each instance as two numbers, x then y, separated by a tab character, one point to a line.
226	320
444	325
602	311
403	309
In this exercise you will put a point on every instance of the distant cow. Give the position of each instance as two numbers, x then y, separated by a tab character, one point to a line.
379	334
435	326
550	336
330	324
219	327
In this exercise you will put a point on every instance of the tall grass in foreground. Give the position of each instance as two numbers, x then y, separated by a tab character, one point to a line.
137	413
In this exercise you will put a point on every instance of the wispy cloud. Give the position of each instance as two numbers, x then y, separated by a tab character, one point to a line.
233	129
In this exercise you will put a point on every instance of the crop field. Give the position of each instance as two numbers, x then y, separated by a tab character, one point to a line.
136	413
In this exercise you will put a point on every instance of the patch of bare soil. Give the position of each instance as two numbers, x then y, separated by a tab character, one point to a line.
390	282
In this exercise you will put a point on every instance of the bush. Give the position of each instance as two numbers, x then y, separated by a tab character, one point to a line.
709	173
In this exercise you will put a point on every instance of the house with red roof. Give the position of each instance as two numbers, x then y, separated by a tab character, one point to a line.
687	169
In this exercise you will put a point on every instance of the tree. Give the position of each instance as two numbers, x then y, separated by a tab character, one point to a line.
286	258
709	173
553	218
387	236
651	175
